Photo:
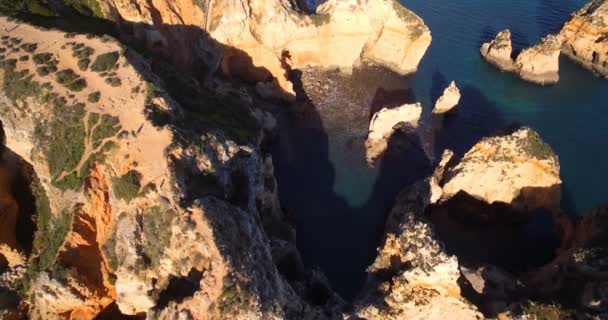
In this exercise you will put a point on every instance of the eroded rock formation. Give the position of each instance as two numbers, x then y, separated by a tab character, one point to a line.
384	123
538	64
261	38
448	100
498	51
131	210
516	168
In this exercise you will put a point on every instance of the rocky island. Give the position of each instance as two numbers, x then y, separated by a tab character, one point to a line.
538	64
137	182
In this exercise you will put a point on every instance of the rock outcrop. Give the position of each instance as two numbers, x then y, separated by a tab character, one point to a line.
585	39
413	277
134	215
498	51
515	167
384	123
448	100
259	38
538	64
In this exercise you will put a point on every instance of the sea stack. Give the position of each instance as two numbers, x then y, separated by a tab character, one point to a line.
449	100
498	51
540	63
384	123
586	38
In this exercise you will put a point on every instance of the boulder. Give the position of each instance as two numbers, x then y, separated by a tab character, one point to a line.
498	51
540	63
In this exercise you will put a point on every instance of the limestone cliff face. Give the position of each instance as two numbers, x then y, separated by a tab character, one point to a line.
384	123
538	64
413	277
132	211
585	38
516	168
263	37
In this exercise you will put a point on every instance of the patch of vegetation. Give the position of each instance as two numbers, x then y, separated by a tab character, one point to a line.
108	126
18	85
105	62
83	64
94	97
48	239
548	312
152	92
320	19
86	7
233	298
127	186
534	146
113	81
229	115
157	232
43	58
29	47
158	116
62	137
72	81
24	58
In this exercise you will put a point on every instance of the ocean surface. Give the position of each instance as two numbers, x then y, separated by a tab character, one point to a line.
340	204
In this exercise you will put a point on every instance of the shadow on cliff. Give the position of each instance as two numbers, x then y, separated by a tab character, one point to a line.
340	203
186	60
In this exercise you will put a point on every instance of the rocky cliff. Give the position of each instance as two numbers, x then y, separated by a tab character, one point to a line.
137	212
260	39
585	39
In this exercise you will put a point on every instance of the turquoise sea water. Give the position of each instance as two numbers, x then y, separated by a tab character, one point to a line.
571	116
340	204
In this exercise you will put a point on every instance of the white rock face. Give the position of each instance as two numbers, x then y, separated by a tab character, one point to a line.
448	101
383	125
518	169
498	51
540	63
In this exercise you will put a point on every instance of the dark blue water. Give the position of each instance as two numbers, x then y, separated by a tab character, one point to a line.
570	116
340	204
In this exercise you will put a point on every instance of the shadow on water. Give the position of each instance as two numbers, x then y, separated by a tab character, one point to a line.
339	230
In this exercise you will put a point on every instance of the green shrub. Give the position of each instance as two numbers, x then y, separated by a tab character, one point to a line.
69	79
29	47
90	8
62	136
94	97
43	58
42	71
105	62
18	85
83	64
109	249
24	58
127	186
114	81
71	181
16	41
157	232
108	126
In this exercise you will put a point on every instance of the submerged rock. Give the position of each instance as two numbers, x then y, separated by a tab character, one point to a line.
448	100
498	51
515	167
540	63
384	123
585	39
